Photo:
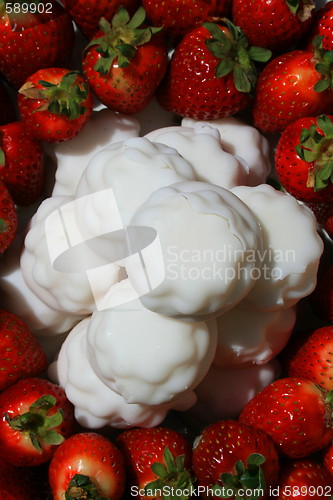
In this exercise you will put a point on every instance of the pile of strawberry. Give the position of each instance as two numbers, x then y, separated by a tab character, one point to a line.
271	61
280	446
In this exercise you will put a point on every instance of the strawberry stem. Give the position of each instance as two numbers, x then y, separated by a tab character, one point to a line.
317	148
120	39
81	487
65	98
173	475
246	478
235	54
38	424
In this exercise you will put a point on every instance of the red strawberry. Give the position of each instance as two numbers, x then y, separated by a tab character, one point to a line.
156	458
178	17
36	417
321	299
321	211
8	218
87	13
55	103
7	111
323	26
233	456
211	73
87	465
291	86
33	35
274	24
304	479
303	160
327	459
295	413
22	163
21	354
313	359
124	62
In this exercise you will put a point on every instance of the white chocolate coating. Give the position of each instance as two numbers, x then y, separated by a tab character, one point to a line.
103	128
96	405
134	169
205	233
248	336
243	141
291	251
218	167
148	358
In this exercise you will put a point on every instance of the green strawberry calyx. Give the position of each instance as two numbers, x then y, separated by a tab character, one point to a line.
316	147
81	487
248	482
173	479
120	39
323	59
3	226
65	98
235	54
38	423
2	158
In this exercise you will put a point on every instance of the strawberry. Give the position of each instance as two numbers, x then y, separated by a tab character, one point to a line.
125	62
36	417
231	456
211	73
304	479
274	24
8	218
178	17
55	103
87	465
7	111
21	353
33	35
327	459
293	85
22	163
303	159
322	26
321	299
321	211
156	458
295	413
87	13
313	359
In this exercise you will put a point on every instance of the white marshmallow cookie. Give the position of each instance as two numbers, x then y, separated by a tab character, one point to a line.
247	336
205	233
241	140
103	128
148	358
95	404
220	167
133	169
292	247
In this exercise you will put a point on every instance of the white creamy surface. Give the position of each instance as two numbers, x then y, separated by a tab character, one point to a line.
248	336
103	128
96	405
217	167
148	358
292	247
133	169
243	141
205	232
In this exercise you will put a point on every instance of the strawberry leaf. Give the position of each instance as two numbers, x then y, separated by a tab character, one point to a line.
293	5
81	486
